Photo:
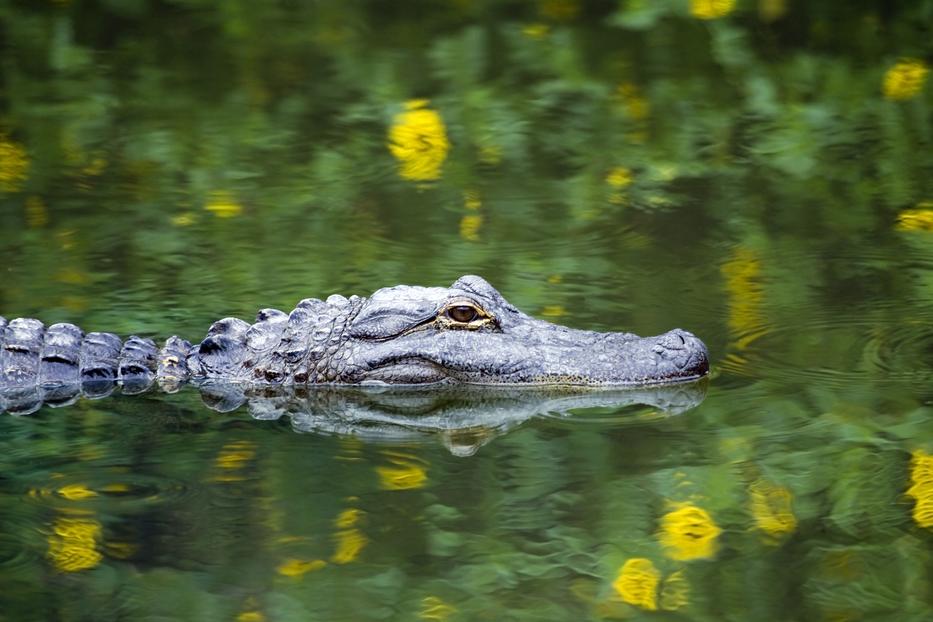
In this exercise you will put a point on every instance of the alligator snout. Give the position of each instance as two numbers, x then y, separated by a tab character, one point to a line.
581	357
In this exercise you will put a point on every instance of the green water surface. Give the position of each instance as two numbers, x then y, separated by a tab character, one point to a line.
759	172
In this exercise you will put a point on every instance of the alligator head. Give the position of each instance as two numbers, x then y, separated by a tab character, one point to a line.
469	333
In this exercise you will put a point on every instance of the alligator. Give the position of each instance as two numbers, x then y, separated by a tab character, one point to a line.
402	335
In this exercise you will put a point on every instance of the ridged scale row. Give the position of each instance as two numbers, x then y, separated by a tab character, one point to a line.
55	364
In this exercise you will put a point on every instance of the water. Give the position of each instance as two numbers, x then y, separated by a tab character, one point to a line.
761	178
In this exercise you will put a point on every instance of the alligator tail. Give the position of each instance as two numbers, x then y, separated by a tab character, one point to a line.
53	364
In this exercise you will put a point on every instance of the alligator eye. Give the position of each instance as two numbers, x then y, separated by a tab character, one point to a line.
462	313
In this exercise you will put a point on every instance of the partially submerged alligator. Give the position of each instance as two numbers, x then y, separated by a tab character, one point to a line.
467	333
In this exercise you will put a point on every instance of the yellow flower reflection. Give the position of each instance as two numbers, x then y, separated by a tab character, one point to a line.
619	177
688	532
223	205
490	154
771	506
235	455
251	616
14	164
350	542
711	9
73	544
675	592
232	460
185	219
120	550
76	492
406	473
348	518
349	539
905	79
433	608
470	224
418	140
742	272
635	104
919	219
293	567
921	488
250	612
637	583
472	200
37	215
536	30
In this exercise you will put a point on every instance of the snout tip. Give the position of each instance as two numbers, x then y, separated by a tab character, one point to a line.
684	352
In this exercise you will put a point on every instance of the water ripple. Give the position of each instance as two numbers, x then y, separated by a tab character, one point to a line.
18	551
129	492
836	350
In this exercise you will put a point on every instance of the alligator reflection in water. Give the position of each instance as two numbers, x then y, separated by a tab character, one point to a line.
465	416
462	417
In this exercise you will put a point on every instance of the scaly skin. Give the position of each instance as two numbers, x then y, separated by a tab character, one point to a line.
467	333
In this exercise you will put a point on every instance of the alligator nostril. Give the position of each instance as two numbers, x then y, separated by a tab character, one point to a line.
673	340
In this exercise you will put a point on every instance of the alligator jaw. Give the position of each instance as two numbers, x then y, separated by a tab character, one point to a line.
532	352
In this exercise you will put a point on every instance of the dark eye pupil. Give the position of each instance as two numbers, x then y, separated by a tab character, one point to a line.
462	313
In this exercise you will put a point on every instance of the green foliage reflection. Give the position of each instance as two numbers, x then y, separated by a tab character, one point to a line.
758	171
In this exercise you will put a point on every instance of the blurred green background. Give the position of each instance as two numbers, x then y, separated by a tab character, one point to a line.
759	172
265	146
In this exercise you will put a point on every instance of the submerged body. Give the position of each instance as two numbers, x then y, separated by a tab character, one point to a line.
467	333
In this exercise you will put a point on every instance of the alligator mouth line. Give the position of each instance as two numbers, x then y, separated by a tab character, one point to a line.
596	384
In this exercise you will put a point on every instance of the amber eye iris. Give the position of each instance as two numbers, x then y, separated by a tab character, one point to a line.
462	313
